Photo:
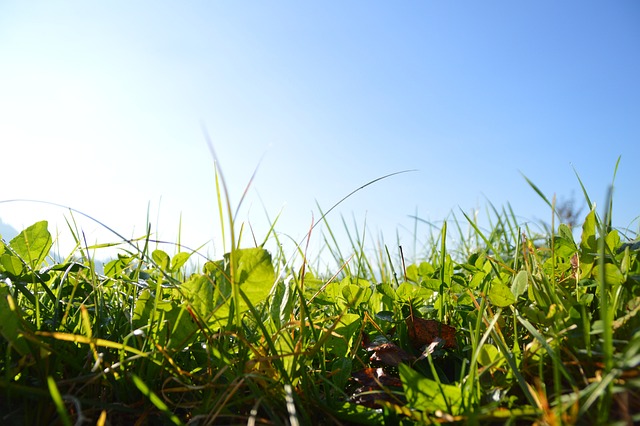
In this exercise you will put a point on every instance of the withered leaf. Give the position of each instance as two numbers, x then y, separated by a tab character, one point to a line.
423	332
373	387
389	354
374	377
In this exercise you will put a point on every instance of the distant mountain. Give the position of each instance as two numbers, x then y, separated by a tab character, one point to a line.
7	231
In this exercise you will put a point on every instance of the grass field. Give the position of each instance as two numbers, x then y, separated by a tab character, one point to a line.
506	327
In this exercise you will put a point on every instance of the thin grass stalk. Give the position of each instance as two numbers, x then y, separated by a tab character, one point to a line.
606	313
442	309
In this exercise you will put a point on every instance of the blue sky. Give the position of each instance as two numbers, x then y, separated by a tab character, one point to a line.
102	108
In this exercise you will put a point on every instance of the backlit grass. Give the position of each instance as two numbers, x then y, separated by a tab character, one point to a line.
546	329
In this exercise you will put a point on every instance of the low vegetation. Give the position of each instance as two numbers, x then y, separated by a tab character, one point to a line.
506	327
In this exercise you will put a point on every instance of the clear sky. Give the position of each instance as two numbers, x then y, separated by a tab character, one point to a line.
102	106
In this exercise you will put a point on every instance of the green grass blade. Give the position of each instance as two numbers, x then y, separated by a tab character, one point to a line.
155	399
58	402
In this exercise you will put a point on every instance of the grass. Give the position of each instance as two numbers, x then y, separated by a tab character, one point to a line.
545	329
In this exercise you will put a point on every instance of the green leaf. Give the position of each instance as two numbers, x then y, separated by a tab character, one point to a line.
198	290
500	295
179	260
588	242
254	274
489	355
386	289
355	295
359	414
161	258
155	399
520	283
281	305
341	338
428	395
385	316
407	291
612	274
412	273
613	240
341	371
564	244
166	322
33	244
565	233
12	264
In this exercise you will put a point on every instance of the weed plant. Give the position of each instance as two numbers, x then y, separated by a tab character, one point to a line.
545	330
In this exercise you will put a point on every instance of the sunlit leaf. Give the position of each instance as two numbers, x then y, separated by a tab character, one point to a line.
612	274
161	258
11	264
588	242
501	295
33	244
198	290
412	273
428	395
342	336
281	305
565	233
167	322
407	292
254	274
520	283
489	355
179	260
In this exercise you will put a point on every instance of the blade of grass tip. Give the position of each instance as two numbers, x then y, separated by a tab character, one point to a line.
610	197
538	191
512	221
157	219
272	223
358	248
246	188
179	242
220	208
352	240
324	215
465	243
155	400
335	247
57	401
404	265
144	252
584	189
303	271
490	246
393	271
358	189
74	232
231	217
